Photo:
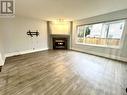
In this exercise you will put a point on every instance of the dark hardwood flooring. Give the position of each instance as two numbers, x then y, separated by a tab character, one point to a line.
62	72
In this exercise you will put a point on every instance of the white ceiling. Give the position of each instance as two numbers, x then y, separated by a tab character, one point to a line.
67	9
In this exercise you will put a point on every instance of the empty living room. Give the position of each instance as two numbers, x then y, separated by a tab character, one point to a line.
63	47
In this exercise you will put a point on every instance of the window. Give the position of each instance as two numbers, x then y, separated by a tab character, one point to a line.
104	34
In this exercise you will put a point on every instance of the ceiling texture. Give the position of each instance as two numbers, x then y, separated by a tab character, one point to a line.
67	9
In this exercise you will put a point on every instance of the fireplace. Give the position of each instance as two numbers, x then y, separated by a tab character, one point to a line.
59	43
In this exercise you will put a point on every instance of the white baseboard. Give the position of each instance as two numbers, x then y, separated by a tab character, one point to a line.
2	61
23	52
103	55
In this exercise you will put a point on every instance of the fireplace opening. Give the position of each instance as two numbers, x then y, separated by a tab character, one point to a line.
59	43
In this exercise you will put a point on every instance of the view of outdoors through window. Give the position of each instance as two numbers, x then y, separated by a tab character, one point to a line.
104	34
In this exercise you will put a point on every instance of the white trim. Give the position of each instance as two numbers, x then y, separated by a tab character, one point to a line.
103	55
1	61
23	52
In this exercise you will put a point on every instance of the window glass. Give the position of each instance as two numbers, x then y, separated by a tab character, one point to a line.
106	34
96	30
115	30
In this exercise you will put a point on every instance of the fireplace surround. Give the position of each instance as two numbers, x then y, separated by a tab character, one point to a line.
59	43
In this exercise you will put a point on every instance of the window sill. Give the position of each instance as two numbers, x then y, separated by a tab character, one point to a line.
104	46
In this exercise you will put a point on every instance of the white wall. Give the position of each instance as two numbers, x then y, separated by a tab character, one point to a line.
16	41
120	54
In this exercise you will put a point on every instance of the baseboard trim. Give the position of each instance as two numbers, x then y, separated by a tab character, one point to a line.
118	58
2	60
24	52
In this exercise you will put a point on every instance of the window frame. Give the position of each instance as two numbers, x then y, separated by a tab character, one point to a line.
106	46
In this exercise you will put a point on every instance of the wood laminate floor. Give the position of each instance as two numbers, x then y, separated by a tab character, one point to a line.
62	73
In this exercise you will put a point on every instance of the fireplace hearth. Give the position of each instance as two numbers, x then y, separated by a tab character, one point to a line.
59	43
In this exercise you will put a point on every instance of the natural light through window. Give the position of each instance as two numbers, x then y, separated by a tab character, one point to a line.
101	34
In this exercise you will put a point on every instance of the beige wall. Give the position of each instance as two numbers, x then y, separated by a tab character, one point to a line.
16	40
59	28
120	54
